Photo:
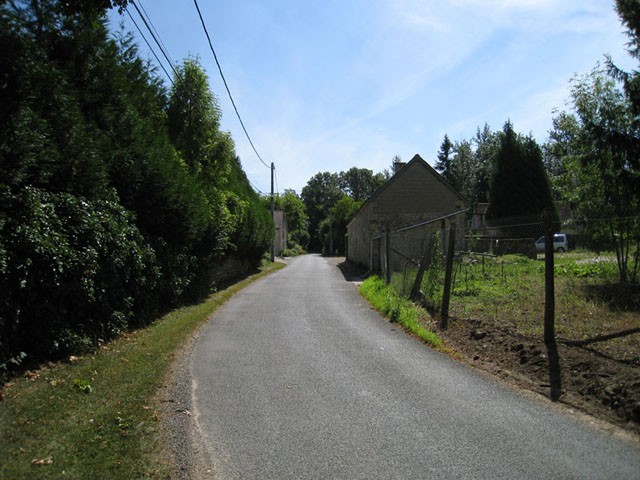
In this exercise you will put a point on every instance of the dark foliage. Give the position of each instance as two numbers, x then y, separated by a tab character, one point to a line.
520	190
105	219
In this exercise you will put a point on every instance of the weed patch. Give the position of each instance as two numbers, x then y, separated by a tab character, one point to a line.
387	301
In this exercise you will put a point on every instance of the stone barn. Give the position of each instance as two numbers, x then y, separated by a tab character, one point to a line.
281	232
414	195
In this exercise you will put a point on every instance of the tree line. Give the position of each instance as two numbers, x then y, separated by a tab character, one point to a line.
591	161
119	199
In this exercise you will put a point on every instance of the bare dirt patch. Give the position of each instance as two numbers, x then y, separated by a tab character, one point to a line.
595	379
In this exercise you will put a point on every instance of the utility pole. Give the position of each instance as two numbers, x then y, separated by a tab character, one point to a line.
273	216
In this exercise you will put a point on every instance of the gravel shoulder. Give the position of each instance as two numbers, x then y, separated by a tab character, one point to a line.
183	446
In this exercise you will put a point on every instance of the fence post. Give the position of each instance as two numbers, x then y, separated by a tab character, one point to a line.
424	263
549	310
446	296
387	256
443	238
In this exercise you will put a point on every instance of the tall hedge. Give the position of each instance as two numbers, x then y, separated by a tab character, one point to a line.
106	218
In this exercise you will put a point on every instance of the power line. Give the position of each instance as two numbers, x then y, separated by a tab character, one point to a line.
158	40
163	48
155	38
225	83
150	47
258	191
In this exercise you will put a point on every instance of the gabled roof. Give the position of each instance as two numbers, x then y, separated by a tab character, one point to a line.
417	159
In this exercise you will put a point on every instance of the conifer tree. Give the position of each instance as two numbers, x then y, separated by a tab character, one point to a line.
520	189
443	165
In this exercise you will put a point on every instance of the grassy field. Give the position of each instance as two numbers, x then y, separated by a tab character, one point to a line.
509	291
96	417
589	299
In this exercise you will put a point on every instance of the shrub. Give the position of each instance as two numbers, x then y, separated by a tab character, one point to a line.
73	272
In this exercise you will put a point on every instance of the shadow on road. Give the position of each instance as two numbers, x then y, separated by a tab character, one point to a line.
352	272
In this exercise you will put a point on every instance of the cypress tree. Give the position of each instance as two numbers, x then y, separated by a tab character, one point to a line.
520	189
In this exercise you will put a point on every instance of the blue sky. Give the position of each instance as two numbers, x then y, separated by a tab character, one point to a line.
325	86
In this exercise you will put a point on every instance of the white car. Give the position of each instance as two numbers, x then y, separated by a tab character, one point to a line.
560	243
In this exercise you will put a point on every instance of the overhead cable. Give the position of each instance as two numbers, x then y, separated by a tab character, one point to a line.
225	84
155	38
163	48
150	47
258	191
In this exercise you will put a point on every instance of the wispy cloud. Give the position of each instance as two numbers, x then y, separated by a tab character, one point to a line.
364	84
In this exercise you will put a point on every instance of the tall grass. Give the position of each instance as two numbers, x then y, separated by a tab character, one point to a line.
387	301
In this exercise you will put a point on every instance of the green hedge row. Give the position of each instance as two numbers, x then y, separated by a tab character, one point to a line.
105	218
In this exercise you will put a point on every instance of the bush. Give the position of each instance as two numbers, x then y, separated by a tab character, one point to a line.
293	251
73	272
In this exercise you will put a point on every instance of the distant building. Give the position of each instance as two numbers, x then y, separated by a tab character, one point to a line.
416	193
281	233
478	215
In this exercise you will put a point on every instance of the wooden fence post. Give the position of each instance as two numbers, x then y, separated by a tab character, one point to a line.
424	263
446	296
387	257
549	310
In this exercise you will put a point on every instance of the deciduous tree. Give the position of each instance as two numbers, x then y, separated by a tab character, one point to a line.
596	149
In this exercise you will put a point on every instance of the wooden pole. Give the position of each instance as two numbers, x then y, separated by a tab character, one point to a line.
387	256
549	310
446	296
424	263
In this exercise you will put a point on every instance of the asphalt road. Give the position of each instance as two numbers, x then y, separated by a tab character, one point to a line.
297	378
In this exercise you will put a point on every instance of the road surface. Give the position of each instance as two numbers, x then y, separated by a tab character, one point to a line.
297	378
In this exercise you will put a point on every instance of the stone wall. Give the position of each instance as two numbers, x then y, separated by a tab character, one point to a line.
230	268
414	195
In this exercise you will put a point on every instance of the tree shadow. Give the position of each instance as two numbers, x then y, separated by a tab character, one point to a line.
624	297
353	272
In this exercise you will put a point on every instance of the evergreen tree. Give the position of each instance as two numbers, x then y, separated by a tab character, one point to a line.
520	189
463	170
443	165
193	117
629	12
103	221
486	144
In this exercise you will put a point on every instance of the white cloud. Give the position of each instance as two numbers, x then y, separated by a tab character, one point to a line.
412	71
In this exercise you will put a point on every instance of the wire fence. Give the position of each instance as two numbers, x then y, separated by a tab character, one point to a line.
430	260
414	258
433	261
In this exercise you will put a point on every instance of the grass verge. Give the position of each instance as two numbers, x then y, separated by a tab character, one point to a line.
95	416
386	300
